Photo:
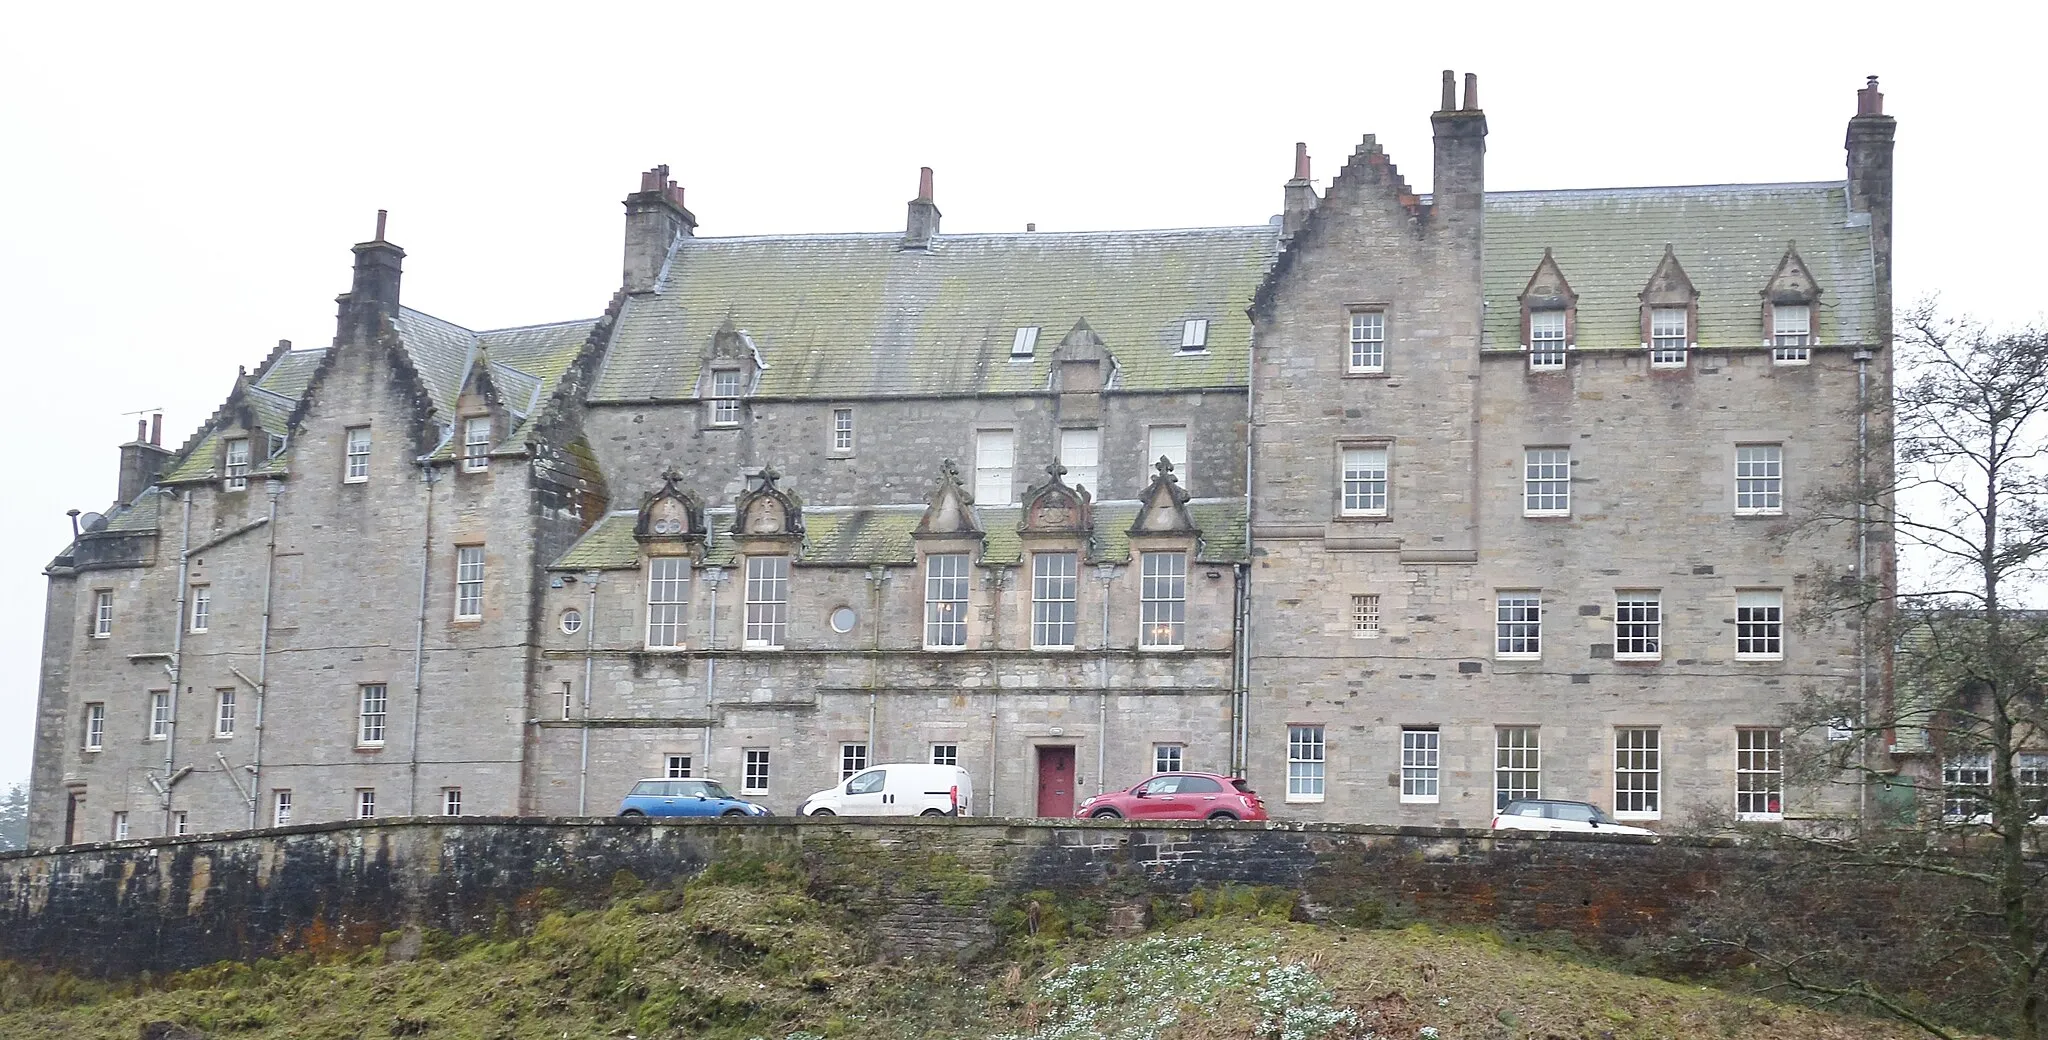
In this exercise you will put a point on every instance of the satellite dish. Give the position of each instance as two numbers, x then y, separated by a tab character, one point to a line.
90	521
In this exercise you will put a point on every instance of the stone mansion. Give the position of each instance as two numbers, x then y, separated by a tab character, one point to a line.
1402	505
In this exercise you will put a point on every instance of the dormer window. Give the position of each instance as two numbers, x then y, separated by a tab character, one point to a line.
1546	340
476	444
1667	337
725	397
235	463
277	445
1194	334
1791	333
1025	342
1548	314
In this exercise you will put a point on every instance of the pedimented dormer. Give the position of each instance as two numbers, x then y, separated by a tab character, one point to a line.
1791	300
671	520
767	513
950	511
1054	510
1163	506
1550	316
1670	314
481	419
1083	363
732	367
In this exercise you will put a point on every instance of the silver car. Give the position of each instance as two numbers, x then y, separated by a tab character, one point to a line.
1550	814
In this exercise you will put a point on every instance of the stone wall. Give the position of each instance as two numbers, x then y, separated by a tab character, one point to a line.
929	886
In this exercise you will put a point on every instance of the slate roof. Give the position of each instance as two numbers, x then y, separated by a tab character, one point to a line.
858	536
851	316
1728	237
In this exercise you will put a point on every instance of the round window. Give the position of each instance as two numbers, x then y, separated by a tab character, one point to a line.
572	620
842	620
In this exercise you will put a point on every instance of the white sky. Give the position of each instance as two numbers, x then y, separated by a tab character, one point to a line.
184	181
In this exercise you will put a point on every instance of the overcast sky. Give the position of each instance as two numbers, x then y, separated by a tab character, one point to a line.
185	180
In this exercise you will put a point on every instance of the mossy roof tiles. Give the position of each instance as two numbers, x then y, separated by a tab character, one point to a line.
1728	237
843	316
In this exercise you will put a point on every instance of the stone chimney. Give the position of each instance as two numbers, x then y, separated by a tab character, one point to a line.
655	217
923	223
1460	175
371	303
1870	179
1299	195
142	460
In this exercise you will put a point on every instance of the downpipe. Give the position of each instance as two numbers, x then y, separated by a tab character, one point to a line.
274	487
171	774
419	646
589	672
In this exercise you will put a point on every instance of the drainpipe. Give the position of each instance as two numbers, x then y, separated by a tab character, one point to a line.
1106	572
177	658
876	575
1862	359
273	487
714	577
589	669
419	646
1241	728
993	757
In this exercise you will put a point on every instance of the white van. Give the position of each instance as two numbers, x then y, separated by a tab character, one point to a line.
903	789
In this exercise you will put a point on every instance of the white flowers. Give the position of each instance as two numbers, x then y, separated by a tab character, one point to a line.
1136	990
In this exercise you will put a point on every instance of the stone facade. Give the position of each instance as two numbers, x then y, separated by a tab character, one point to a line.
1063	508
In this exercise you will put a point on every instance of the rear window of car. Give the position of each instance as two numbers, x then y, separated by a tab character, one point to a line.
645	788
1198	785
1242	787
1524	809
1573	812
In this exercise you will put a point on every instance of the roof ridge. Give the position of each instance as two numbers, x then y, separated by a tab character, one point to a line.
541	325
1759	187
896	236
403	309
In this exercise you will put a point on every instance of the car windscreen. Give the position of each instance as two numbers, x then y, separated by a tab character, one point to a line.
713	789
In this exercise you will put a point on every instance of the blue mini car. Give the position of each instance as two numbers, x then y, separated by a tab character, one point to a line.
659	797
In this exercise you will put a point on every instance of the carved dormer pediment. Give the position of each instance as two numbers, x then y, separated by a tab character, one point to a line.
1669	286
1083	363
1547	289
1053	508
950	512
731	343
1793	282
1163	506
767	511
670	514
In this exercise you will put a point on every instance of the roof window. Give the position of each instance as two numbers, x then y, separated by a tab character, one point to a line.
1194	334
1025	342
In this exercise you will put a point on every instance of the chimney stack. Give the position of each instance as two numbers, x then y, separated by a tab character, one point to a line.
1869	145
1459	191
655	218
923	223
156	429
1298	196
371	303
142	459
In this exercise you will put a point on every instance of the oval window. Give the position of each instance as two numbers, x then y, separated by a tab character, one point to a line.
842	620
572	620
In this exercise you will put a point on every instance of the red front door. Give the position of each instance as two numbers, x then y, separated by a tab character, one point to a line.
1055	781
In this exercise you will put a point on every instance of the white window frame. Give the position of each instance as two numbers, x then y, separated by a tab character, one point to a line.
281	807
1638	773
995	467
1518	624
1163	600
1169	758
1546	481
1759	480
726	389
1791	341
355	455
96	726
668	602
1024	343
1546	340
1421	764
1517	764
1760	624
1169	441
1639	624
366	803
373	713
1669	337
121	825
767	620
1365	615
202	608
224	712
469	583
181	823
102	613
947	588
476	443
676	767
1966	787
1055	586
451	801
1081	454
1365	482
754	774
1194	335
1306	761
1366	345
945	754
842	431
160	720
571	621
852	759
234	463
1759	774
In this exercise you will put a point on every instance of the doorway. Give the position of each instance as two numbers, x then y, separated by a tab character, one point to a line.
1056	782
71	818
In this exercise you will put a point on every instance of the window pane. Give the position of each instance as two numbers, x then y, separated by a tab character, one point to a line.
945	600
1667	336
1518	624
1365	482
842	429
668	597
1162	600
1368	342
1759	478
1171	444
945	754
476	443
852	759
1081	453
1053	613
1638	624
1166	758
1637	772
1759	623
767	600
1517	765
1305	762
1546	339
357	461
1419	765
1365	615
469	581
370	720
1759	775
755	779
1546	481
995	461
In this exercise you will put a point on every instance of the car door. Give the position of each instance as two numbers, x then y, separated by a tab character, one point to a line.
692	799
862	794
1199	796
1154	798
1570	816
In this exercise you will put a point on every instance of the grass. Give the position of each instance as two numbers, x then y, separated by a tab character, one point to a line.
741	955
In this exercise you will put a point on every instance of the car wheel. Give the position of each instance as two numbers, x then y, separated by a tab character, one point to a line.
734	812
933	812
634	812
823	812
1220	815
1105	814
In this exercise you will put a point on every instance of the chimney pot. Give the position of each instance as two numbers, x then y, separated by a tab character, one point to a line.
141	429
1471	92
1301	160
924	183
1030	227
1869	102
380	225
156	426
1450	91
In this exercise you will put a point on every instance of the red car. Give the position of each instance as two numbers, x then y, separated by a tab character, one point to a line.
1178	796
